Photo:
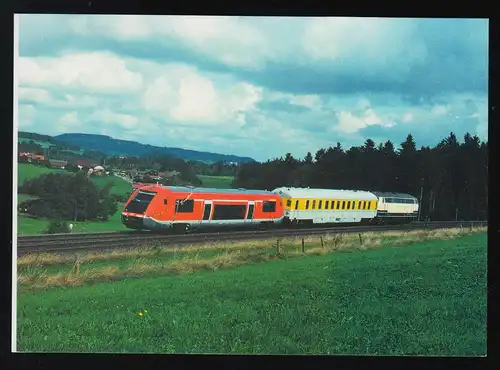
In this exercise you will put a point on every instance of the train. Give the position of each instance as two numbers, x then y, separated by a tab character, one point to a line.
180	209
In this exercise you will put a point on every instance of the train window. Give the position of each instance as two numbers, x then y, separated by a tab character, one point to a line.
165	201
314	204
185	207
307	204
288	203
269	207
327	204
230	212
364	204
296	204
320	204
343	204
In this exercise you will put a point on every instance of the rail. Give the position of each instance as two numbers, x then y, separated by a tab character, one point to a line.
62	243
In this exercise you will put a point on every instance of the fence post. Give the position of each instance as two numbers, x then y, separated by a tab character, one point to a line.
321	239
303	247
470	228
278	247
360	239
76	265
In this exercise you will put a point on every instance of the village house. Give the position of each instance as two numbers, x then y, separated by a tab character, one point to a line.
31	156
57	163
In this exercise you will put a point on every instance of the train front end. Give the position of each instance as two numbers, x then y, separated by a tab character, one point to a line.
136	207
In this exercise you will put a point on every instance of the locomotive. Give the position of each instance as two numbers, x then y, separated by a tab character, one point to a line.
181	208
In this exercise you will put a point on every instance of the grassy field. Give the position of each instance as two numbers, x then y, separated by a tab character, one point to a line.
43	144
218	182
390	296
27	170
30	226
33	226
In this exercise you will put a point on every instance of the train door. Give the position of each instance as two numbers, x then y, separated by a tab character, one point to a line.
207	212
250	212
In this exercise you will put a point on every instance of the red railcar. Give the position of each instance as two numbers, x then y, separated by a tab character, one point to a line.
157	207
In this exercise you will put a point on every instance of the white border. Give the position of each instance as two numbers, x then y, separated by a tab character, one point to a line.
14	189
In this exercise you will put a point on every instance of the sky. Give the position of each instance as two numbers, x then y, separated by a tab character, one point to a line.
253	86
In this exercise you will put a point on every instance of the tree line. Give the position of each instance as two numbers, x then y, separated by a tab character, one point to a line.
450	179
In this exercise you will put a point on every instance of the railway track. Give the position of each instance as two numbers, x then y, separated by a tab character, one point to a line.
64	243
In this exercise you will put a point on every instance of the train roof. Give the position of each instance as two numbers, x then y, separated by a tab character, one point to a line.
324	193
382	194
188	189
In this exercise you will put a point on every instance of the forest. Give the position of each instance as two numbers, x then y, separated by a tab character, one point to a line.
452	177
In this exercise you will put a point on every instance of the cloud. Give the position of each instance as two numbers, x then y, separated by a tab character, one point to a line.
188	97
96	71
107	116
253	86
27	114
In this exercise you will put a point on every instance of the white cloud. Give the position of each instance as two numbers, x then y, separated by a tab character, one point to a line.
229	39
408	117
107	116
358	40
440	109
309	101
33	94
27	113
102	72
351	123
191	98
69	122
69	118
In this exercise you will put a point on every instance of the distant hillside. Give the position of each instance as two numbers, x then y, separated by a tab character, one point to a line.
110	146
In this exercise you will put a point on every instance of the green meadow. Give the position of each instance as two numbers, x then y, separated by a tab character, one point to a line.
423	297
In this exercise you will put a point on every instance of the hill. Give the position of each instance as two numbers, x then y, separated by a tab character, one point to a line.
111	146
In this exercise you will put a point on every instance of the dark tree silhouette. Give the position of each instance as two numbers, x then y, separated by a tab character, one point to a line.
452	175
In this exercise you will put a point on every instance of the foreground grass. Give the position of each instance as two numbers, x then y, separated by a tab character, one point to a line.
424	299
218	182
41	271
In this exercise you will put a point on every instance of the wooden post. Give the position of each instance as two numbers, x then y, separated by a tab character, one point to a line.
360	239
76	266
303	247
471	225
278	247
322	244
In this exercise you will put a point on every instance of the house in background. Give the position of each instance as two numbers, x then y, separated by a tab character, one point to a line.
54	163
30	156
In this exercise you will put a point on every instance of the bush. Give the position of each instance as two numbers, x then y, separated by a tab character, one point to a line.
56	227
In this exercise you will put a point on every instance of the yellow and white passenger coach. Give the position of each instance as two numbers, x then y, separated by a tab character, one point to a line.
321	206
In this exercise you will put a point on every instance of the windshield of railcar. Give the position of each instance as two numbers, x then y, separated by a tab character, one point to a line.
140	202
400	200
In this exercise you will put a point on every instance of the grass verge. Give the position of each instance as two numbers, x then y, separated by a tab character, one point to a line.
425	299
46	270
